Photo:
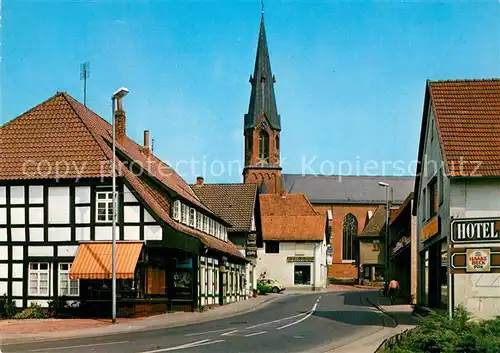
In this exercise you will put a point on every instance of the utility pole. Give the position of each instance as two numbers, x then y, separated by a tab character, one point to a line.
84	74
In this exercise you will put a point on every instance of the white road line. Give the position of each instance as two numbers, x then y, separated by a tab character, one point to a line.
80	346
205	333
304	318
187	345
274	321
229	333
255	334
206	343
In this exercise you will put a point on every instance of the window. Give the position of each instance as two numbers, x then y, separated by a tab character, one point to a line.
441	186
217	230
39	278
277	142
376	245
272	247
211	224
264	146
192	217
349	234
433	197
104	206
176	211
67	286
302	275
199	221
185	214
205	224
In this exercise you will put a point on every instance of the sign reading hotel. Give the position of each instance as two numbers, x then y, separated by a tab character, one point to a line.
478	260
475	231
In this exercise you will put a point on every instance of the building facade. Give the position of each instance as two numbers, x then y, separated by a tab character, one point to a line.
458	182
293	250
56	209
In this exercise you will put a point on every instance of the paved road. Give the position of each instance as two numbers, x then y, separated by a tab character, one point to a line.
293	323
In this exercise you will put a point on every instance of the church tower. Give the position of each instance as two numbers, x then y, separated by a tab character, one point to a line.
262	124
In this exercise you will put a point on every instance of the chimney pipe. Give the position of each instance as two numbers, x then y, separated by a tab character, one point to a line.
199	180
147	148
121	132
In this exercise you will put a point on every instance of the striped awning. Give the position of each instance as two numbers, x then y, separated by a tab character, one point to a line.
94	260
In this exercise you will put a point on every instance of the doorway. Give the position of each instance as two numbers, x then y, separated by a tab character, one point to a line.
302	274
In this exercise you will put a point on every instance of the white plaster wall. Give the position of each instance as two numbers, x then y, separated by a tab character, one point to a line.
82	194
17	253
17	270
4	271
67	250
17	195
82	214
41	251
3	287
106	233
17	215
3	234
148	217
128	196
475	198
17	288
153	233
36	215
59	205
36	234
35	194
276	266
82	233
3	253
18	234
3	196
3	216
132	233
59	234
132	214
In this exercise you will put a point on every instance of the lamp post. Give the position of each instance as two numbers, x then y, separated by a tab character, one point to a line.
386	246
119	94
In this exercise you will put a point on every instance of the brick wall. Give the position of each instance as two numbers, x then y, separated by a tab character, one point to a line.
339	269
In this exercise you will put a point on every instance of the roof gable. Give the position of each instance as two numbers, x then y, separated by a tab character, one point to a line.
285	205
376	224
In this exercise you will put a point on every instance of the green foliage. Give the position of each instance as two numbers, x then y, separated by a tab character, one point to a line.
8	307
459	334
35	311
343	281
58	307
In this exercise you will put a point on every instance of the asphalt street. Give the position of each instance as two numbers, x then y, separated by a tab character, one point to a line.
293	323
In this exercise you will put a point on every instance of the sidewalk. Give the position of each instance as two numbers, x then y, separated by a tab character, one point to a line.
17	331
399	319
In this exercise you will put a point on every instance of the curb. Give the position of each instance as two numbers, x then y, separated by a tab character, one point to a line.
70	334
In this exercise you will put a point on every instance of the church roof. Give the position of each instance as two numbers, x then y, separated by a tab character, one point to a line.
262	98
348	189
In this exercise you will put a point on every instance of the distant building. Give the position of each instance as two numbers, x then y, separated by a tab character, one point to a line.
457	196
294	249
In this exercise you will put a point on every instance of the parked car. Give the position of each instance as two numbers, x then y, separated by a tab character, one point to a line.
263	288
274	285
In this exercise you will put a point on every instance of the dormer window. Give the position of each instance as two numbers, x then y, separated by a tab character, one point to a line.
199	221
192	217
176	210
185	214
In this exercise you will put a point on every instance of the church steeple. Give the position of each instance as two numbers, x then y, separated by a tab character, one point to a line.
262	98
262	125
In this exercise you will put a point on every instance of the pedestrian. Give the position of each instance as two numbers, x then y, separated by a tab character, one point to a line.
393	290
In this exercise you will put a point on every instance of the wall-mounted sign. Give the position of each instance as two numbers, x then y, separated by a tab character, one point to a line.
300	259
329	251
431	228
472	260
478	260
329	259
251	253
475	230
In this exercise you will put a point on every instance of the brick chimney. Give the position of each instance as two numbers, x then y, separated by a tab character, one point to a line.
121	132
199	180
147	147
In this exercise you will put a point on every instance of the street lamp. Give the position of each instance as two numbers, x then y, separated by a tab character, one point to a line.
119	94
386	247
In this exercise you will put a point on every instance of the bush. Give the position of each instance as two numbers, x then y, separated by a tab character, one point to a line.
8	307
343	281
441	334
35	311
58	307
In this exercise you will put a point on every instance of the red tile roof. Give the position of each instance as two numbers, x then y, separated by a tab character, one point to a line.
290	217
468	121
62	132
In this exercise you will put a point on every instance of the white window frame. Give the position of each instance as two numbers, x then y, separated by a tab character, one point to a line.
38	272
205	224
69	281
108	206
212	228
199	221
185	214
217	230
176	210
192	217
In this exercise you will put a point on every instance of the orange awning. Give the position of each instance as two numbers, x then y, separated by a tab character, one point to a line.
93	260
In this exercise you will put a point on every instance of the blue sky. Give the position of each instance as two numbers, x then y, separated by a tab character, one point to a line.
350	75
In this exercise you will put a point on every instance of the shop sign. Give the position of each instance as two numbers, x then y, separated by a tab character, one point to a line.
478	260
329	251
300	259
329	259
430	229
475	230
251	253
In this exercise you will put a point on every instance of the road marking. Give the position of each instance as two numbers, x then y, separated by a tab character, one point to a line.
80	346
255	334
274	321
304	318
207	332
187	345
229	333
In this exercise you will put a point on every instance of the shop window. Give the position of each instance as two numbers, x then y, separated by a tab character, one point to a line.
302	275
272	247
379	274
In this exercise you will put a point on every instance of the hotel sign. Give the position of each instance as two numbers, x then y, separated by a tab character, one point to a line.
475	231
475	260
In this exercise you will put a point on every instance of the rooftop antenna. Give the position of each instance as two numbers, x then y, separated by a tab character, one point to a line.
84	74
262	5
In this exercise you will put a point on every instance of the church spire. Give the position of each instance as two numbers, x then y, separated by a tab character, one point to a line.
262	98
